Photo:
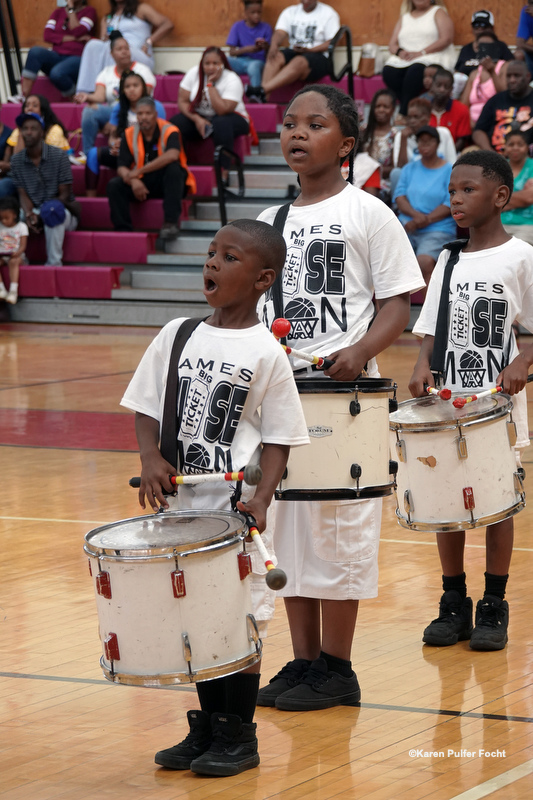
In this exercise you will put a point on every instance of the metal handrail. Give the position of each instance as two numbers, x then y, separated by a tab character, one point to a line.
222	189
347	68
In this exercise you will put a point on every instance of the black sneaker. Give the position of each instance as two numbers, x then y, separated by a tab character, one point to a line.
454	623
492	620
320	689
255	94
197	741
233	749
287	678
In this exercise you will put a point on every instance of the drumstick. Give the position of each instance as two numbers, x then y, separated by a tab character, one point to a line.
251	475
444	394
460	402
275	577
280	328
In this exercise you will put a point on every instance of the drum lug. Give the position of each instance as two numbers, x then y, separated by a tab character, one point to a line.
393	405
111	649
103	585
511	433
245	565
400	449
178	583
90	567
355	408
355	472
407	504
393	467
254	632
462	447
187	653
519	476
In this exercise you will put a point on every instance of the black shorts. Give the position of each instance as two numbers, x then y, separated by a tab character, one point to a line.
319	64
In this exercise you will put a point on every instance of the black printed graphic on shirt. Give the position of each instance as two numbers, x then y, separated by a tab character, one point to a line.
211	400
479	331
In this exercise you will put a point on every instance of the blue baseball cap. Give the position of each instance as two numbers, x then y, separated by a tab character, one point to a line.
52	213
29	115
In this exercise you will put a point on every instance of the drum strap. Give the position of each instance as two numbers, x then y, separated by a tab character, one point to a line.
277	291
441	328
171	413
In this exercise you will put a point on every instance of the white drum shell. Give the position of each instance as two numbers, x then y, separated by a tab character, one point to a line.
150	623
434	475
339	440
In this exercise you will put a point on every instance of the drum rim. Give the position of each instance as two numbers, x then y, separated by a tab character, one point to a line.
450	424
166	551
366	385
455	526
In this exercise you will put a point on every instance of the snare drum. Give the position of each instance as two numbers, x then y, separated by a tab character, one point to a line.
348	457
456	467
173	597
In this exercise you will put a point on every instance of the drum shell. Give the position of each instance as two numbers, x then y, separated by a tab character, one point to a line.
150	623
322	470
432	475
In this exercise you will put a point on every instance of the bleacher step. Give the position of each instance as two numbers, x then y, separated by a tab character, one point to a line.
266	179
158	294
171	259
209	212
263	160
179	280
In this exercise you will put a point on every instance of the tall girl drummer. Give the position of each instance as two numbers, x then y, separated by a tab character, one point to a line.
343	246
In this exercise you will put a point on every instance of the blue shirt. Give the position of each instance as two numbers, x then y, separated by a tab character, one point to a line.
241	35
426	189
525	25
113	120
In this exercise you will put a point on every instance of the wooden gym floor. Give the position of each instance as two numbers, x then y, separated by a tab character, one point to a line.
434	722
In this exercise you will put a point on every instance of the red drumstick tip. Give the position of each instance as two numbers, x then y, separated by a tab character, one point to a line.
459	402
281	327
445	394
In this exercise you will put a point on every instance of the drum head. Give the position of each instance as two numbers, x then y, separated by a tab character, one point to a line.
162	534
433	412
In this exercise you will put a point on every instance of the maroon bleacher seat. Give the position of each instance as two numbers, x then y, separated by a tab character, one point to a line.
34	280
90	282
166	88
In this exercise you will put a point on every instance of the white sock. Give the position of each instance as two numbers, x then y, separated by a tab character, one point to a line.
13	287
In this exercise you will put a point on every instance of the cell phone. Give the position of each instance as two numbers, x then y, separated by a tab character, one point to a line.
489	49
61	3
208	130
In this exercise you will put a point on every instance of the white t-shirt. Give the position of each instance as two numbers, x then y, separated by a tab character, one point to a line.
309	29
489	289
339	252
229	87
225	377
10	237
110	78
446	149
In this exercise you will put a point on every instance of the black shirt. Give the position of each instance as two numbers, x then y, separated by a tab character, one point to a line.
468	59
503	113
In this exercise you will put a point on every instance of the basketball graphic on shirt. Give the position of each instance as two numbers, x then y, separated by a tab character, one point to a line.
471	370
302	315
197	456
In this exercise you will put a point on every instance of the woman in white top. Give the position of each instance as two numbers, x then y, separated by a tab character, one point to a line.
423	35
96	115
140	24
210	102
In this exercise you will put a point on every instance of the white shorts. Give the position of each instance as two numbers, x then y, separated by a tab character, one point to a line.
329	549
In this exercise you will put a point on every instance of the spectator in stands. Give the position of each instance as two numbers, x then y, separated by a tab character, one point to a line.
68	30
423	35
141	26
55	133
210	102
525	33
43	179
405	147
506	111
423	201
429	73
517	219
151	163
248	42
448	113
123	115
96	115
6	184
469	59
484	81
377	138
13	240
309	27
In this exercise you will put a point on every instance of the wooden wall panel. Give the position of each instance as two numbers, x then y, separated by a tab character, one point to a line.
198	23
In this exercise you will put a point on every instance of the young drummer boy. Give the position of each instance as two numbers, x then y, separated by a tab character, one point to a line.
230	367
491	284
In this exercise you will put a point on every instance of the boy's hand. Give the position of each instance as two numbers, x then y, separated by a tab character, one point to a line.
513	378
155	480
258	509
349	363
421	377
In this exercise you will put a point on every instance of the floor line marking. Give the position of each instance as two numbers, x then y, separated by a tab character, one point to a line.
497	783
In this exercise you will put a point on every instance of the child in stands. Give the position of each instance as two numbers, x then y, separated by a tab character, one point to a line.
248	42
13	241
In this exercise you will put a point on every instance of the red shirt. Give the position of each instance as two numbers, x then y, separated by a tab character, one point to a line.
57	27
456	118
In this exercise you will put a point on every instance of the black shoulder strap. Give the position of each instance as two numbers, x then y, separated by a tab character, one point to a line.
170	424
277	291
441	328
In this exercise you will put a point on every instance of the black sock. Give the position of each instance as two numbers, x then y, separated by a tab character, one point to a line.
496	585
339	665
241	695
212	695
457	583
